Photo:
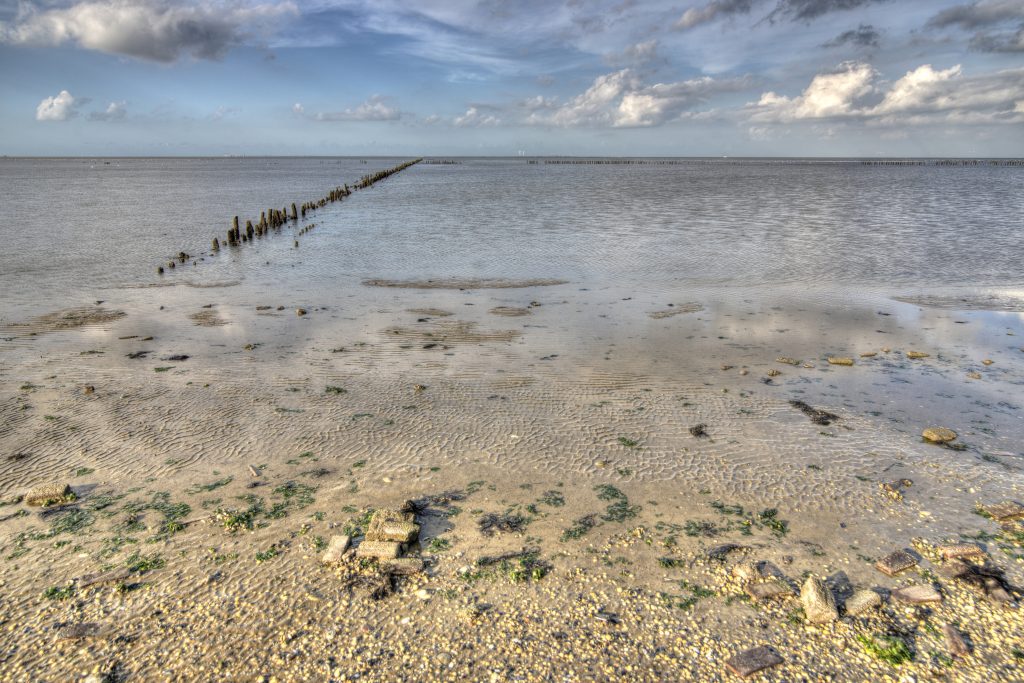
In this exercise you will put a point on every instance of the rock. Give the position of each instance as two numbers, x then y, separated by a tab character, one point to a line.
974	375
839	360
958	550
896	562
819	604
916	354
869	354
111	576
719	552
987	361
774	373
746	571
955	642
862	601
404	566
83	630
1005	511
749	662
768	590
938	434
88	389
423	594
384	550
894	489
392	525
917	594
336	548
787	361
49	494
300	311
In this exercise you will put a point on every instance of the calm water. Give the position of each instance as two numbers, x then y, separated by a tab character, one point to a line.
74	228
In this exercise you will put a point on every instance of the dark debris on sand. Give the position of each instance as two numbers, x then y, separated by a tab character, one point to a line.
818	417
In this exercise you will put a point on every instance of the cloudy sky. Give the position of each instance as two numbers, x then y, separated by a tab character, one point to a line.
447	77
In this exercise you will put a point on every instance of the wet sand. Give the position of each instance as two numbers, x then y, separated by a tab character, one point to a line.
651	464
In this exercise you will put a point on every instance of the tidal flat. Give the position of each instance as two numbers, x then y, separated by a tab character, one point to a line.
587	469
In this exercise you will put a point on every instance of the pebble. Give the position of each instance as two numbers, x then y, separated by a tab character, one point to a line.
819	603
938	434
916	354
862	601
895	562
749	662
917	594
336	547
839	360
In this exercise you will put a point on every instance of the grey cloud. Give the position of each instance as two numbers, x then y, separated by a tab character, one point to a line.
979	13
808	10
864	35
695	16
155	30
999	42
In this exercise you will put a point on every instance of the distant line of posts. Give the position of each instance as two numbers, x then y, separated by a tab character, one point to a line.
275	219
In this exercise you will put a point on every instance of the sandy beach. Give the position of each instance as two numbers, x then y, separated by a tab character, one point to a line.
607	485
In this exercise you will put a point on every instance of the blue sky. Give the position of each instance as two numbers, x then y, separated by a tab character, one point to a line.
465	77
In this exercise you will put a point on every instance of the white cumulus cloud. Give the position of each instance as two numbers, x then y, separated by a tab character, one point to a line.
922	95
115	111
376	108
60	107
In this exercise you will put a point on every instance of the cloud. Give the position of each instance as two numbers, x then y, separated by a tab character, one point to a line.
157	30
637	54
374	109
999	42
115	111
61	107
833	94
619	99
978	14
475	118
808	10
923	95
695	16
986	15
864	35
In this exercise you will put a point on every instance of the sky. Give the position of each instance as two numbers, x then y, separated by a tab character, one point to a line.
496	77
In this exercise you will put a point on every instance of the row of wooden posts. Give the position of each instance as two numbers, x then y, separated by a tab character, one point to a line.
275	219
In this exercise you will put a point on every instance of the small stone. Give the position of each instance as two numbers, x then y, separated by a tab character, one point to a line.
974	375
819	604
916	354
862	601
336	548
917	594
746	571
300	311
744	372
719	552
987	361
958	550
774	373
88	389
839	360
938	434
1002	512
895	562
955	642
787	361
768	590
385	550
749	662
80	631
111	576
404	566
423	594
869	354
49	494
